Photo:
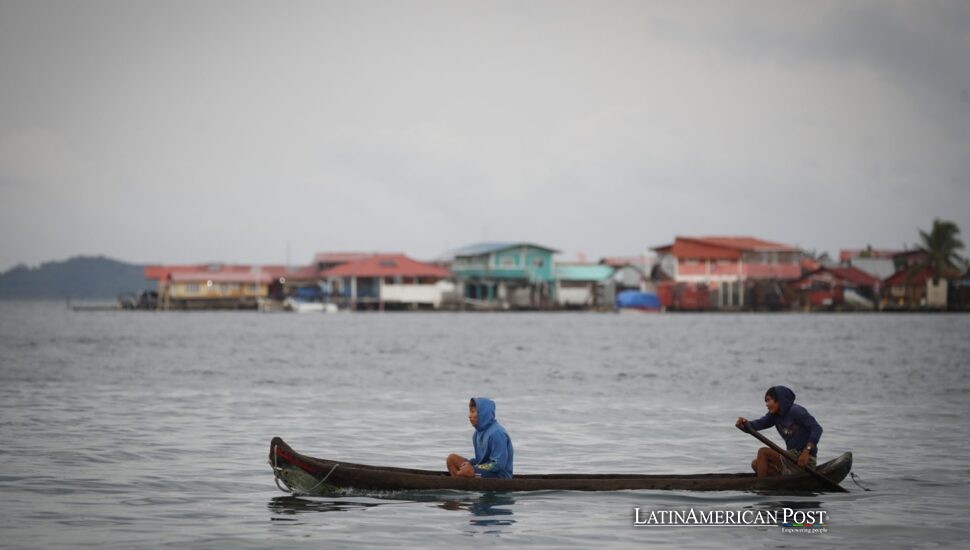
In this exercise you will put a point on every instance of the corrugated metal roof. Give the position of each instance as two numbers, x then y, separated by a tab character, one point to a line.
387	265
487	248
720	247
748	244
620	261
222	277
877	267
306	272
162	272
203	271
854	275
848	274
341	257
911	276
591	272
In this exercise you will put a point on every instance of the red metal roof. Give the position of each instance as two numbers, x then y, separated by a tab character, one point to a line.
919	277
726	248
853	275
162	272
846	274
341	257
387	265
223	277
809	264
303	272
205	272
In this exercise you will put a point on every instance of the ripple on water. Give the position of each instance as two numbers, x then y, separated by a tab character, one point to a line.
138	430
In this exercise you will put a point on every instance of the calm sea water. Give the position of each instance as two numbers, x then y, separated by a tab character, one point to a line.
146	429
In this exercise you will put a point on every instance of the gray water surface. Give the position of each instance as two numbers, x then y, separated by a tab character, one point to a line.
129	429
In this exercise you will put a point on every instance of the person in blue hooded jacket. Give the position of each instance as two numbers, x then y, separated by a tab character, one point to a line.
492	444
797	427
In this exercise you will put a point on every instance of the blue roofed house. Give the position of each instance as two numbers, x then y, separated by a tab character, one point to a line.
505	275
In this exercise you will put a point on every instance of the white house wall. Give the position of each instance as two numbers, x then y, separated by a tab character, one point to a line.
416	294
574	296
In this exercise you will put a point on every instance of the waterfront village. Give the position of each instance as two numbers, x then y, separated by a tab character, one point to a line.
688	274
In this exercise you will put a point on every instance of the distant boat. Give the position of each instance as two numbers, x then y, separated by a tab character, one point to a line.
303	306
298	473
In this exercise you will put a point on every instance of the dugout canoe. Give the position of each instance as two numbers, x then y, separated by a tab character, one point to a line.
303	474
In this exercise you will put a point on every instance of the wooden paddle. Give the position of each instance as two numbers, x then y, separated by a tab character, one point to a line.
785	454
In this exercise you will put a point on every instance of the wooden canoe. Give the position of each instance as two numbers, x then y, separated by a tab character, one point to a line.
303	474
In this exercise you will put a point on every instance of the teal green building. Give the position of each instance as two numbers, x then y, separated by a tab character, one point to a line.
506	275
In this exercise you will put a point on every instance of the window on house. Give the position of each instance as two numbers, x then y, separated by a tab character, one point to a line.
508	261
538	262
192	289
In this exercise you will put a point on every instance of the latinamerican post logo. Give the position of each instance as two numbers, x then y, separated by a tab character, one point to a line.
789	519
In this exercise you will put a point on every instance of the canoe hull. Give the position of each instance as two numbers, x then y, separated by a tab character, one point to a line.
308	475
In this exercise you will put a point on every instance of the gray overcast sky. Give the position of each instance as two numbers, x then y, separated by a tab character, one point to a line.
197	131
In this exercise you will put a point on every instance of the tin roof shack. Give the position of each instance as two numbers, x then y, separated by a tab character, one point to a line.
505	275
915	288
738	272
836	288
210	286
389	281
584	286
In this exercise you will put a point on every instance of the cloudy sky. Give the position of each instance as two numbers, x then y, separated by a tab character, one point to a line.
236	131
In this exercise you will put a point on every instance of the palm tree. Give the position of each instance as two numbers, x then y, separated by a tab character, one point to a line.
940	245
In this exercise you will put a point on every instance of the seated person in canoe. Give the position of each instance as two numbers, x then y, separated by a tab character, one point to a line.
493	446
797	427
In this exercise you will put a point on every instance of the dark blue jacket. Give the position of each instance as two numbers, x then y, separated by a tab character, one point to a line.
796	426
493	446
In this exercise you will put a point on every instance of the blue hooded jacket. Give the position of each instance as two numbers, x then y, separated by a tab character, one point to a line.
493	446
795	424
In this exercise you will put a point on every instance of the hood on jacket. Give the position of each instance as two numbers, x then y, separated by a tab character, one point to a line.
486	412
786	398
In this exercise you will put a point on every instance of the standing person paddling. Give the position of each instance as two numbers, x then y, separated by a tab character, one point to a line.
492	444
797	427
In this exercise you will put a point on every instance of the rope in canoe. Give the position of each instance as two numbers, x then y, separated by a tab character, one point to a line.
324	478
277	477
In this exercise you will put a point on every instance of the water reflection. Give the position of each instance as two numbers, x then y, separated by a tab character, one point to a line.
487	509
291	506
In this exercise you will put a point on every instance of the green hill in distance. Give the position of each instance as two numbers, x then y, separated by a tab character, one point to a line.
81	277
